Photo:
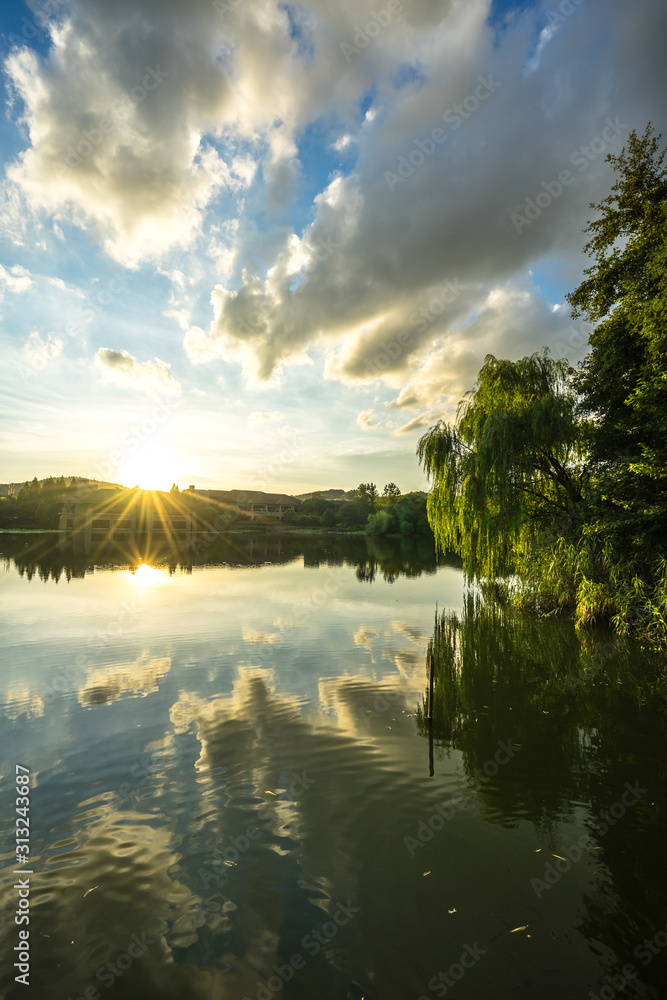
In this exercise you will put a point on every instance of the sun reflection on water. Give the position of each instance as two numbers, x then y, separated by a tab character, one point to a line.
148	576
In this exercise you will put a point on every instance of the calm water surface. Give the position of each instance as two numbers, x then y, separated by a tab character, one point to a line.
235	794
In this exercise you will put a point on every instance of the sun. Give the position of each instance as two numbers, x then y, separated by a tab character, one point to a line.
149	469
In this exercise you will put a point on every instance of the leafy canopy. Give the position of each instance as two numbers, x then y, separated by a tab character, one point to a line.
509	464
623	380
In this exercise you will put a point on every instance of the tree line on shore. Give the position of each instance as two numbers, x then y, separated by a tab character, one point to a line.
389	513
38	505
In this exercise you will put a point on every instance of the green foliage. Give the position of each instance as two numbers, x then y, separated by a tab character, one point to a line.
587	575
37	504
316	505
314	513
351	516
561	476
306	520
382	523
623	380
508	466
406	515
390	494
366	498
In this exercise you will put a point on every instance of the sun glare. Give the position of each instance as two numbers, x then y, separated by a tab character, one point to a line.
149	470
147	576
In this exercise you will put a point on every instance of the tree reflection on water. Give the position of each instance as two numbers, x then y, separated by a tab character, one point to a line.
589	712
49	555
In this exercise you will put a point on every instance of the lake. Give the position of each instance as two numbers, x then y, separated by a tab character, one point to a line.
234	791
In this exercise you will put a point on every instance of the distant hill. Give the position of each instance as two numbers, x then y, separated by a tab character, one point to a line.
328	495
69	481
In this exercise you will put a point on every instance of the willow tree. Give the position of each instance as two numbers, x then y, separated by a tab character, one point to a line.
509	466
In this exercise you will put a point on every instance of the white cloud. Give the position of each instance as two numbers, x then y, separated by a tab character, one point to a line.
14	214
203	172
123	368
39	351
262	417
376	252
416	424
342	142
366	420
15	279
117	131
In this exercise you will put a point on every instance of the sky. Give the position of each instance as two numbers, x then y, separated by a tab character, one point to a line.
260	244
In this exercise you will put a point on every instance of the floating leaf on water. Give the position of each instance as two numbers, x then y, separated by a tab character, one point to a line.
231	864
268	792
525	927
559	857
452	911
544	713
426	873
537	851
90	890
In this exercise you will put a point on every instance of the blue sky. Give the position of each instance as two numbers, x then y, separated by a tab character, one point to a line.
252	243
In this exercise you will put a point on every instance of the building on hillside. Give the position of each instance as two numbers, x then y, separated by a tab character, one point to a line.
254	503
113	515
